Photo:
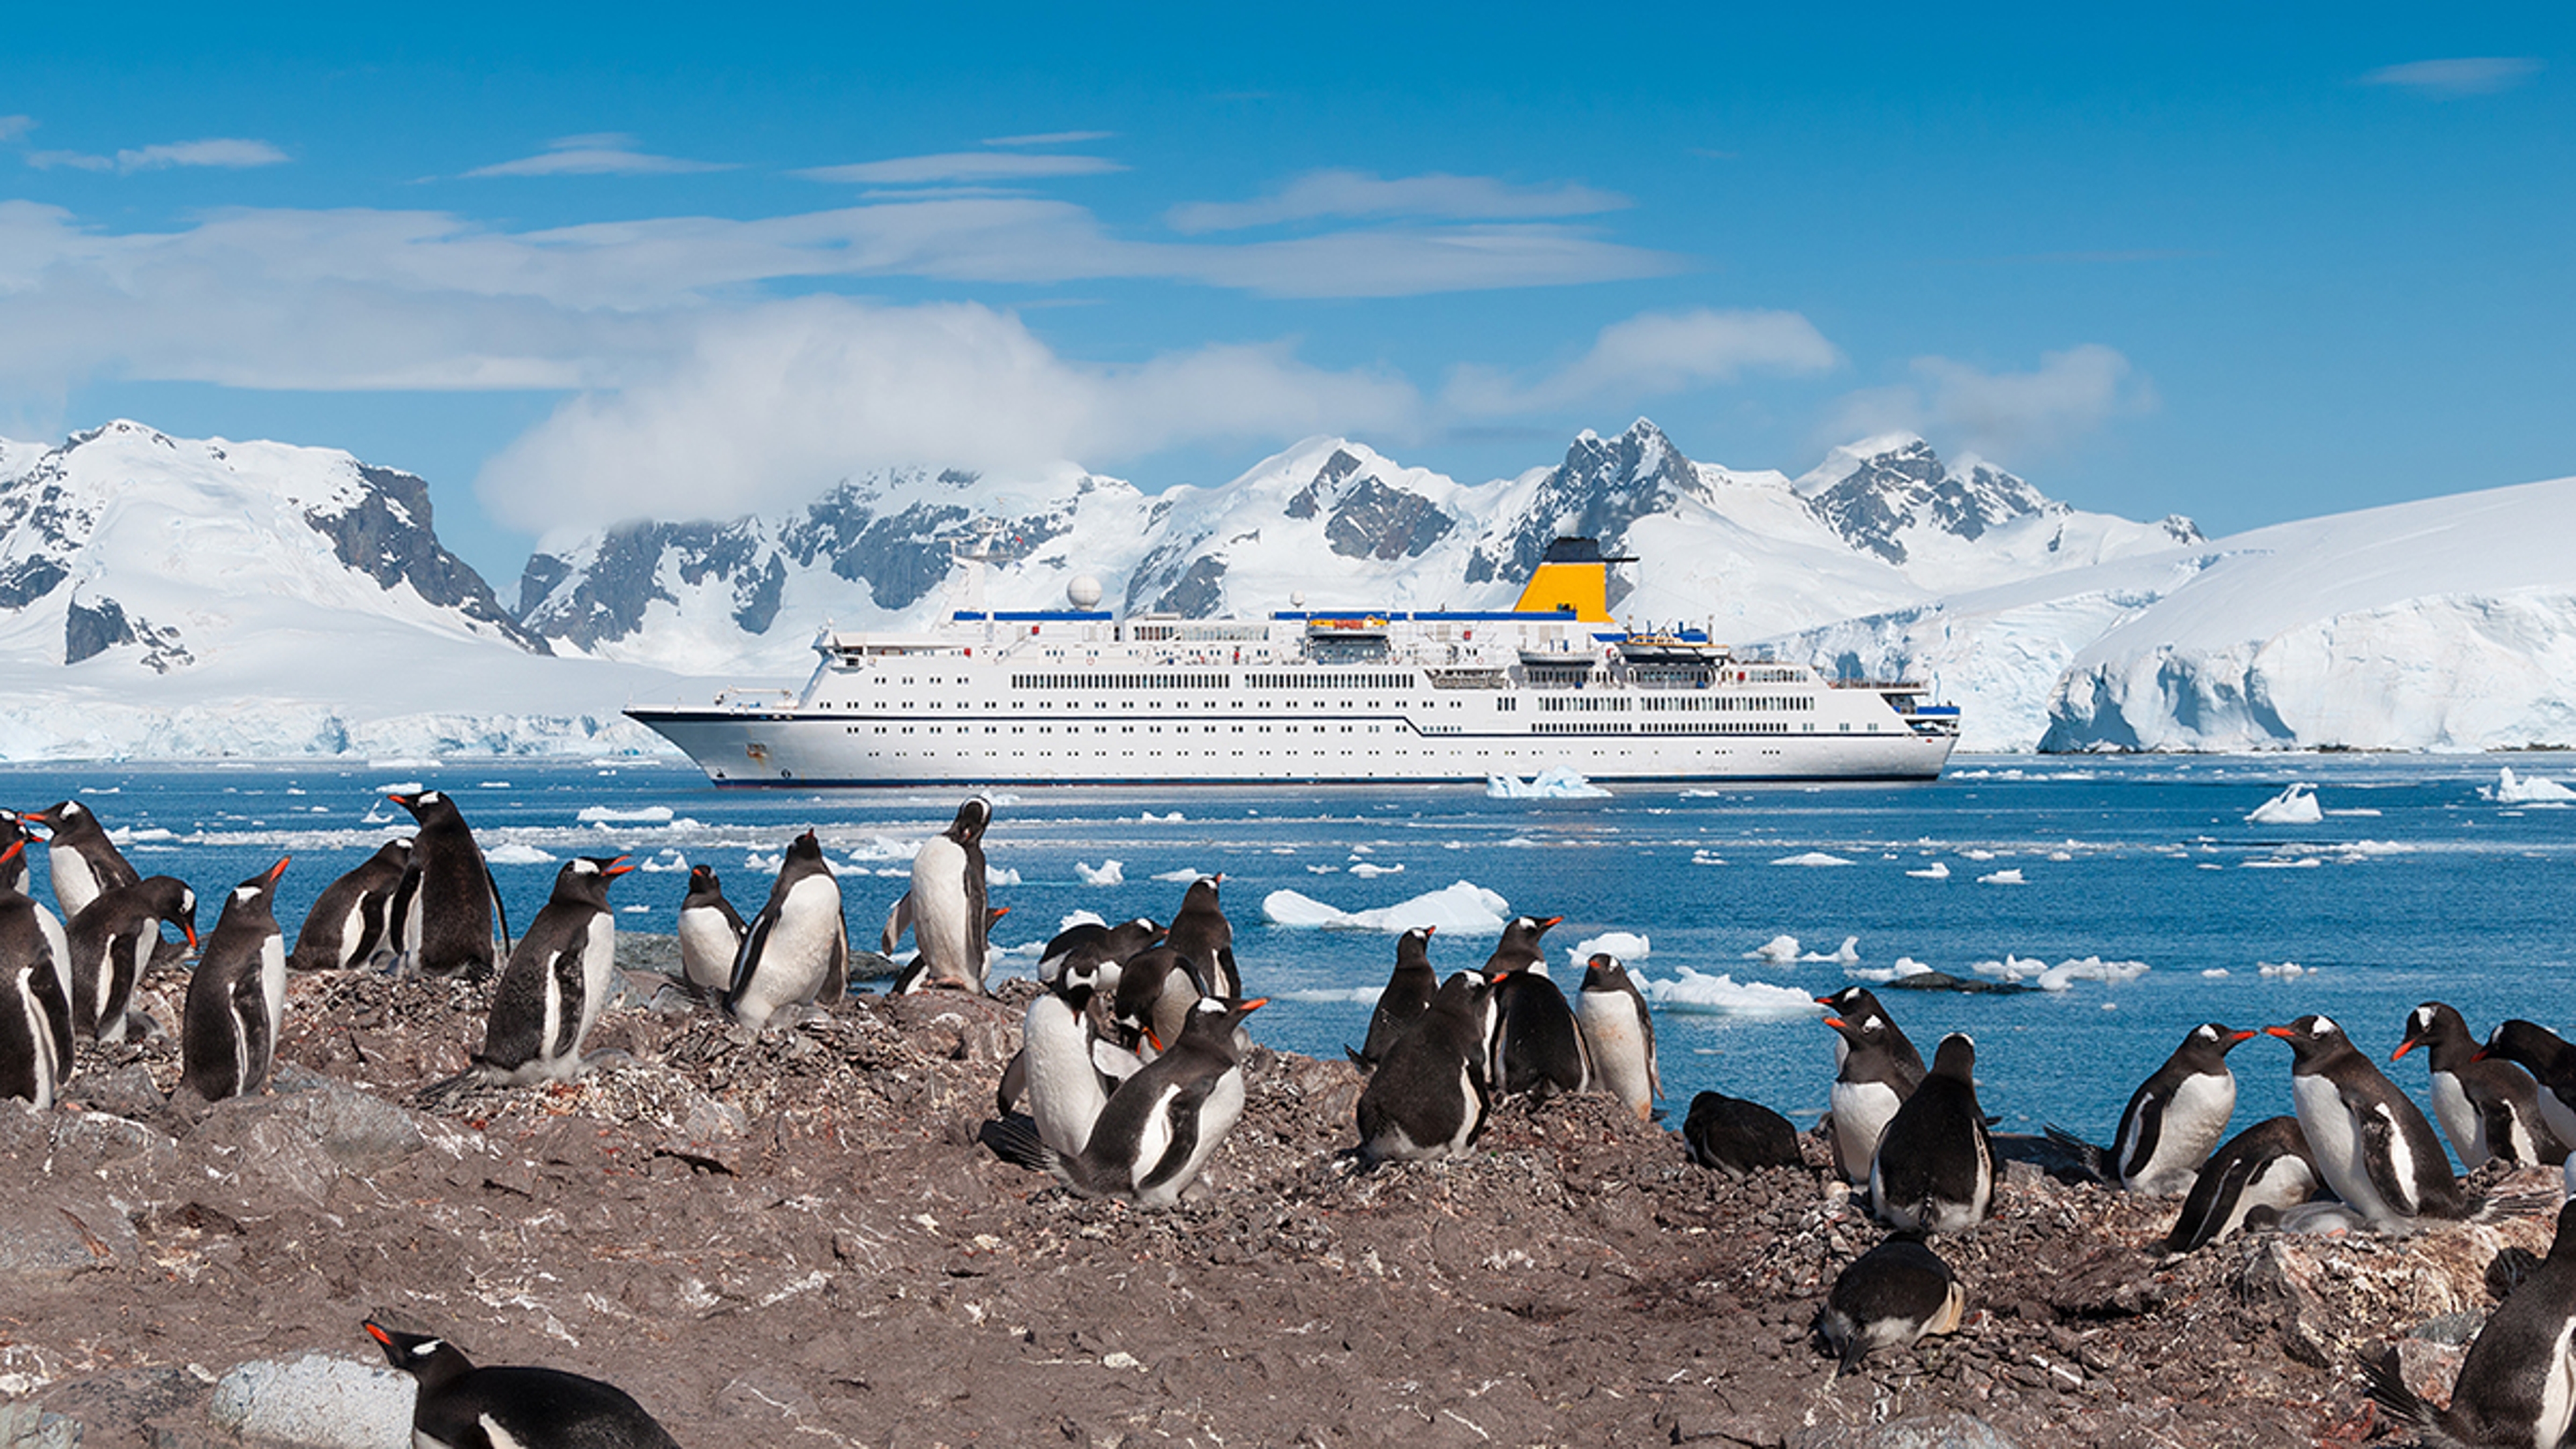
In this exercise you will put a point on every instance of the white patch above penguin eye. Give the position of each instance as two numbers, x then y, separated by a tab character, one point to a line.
2205	1033
426	1347
187	900
2325	1027
428	797
1869	1023
245	893
2423	1018
584	867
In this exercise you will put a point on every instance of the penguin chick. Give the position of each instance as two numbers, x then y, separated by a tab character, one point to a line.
2518	1383
557	981
1892	1296
2265	1168
1738	1137
1096	942
464	1407
237	997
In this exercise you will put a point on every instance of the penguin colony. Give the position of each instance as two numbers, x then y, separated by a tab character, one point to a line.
1133	1056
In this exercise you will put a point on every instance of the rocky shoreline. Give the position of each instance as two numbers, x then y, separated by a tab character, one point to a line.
798	1238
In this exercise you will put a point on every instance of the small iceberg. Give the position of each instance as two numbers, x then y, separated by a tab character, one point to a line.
1905	966
513	853
1849	953
2285	970
1464	909
999	875
1628	946
648	815
1813	857
1779	951
1937	870
1695	991
2064	974
1368	868
2512	790
2296	805
2003	877
1559	783
1107	873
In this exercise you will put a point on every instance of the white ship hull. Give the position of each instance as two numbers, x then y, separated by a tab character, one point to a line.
1078	698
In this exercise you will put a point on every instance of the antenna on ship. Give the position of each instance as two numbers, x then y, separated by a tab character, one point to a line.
975	552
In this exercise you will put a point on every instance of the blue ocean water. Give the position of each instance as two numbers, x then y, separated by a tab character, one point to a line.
2413	886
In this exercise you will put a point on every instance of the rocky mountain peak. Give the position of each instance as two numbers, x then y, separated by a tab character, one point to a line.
1603	486
1888	488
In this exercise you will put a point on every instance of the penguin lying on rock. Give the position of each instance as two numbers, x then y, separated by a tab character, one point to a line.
2265	1168
465	1407
2172	1121
1892	1296
1738	1137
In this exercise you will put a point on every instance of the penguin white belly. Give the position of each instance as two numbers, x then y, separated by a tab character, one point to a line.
58	941
707	948
2341	1152
2460	1121
2280	1184
272	984
2194	1120
353	935
40	1036
1619	1048
75	884
1861	1113
598	972
940	910
2559	1118
797	952
1064	1087
2558	1390
1218	1112
1469	1116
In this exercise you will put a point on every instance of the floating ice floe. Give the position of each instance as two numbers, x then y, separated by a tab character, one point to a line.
1183	876
1628	946
1848	953
1368	868
2284	970
1150	818
648	814
2215	972
635	910
1559	783
1333	995
1323	870
2285	862
1779	951
2296	805
2064	974
1078	918
1464	909
884	847
1696	991
1707	857
1107	873
2510	789
997	875
1905	966
1812	857
2003	877
400	787
1937	870
1978	854
513	853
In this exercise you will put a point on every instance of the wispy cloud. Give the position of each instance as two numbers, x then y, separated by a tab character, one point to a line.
1650	355
1354	194
607	153
226	152
768	406
960	166
2010	416
2470	75
1048	138
13	127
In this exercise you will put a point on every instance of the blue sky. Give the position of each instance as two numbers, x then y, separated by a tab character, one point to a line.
575	264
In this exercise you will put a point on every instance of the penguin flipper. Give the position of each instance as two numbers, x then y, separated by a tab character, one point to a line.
2094	1162
500	908
2496	1116
1014	1079
1226	968
1181	1117
836	980
569	989
746	961
2202	1215
898	921
2378	1143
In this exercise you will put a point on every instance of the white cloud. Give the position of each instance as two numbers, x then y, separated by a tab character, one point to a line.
13	127
227	152
2469	75
2009	416
961	166
766	407
1360	194
1049	138
605	153
1651	354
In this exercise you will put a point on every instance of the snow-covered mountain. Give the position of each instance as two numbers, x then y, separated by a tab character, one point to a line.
1750	553
166	596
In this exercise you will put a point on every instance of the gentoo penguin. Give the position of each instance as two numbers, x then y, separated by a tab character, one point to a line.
1935	1168
798	950
1892	1296
1875	1070
464	1407
2487	1108
353	919
1538	1047
2370	1142
2265	1166
13	866
1738	1137
1429	1096
1058	1061
455	898
2518	1383
82	860
1156	991
2172	1120
1159	1128
1077	990
945	907
913	976
237	998
35	1013
1619	1035
1406	996
1098	943
113	940
711	933
2552	1064
557	980
1200	931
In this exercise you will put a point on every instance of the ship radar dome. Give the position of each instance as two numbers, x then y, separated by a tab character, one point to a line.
1083	592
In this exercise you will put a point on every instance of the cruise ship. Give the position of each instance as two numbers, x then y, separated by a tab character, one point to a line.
1077	696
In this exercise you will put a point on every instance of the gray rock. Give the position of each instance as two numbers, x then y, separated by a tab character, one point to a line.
25	1426
54	1236
300	1140
315	1402
1919	1431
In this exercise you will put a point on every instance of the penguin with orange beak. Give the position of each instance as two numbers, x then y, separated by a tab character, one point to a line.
557	981
237	998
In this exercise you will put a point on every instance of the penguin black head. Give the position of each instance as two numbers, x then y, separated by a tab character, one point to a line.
1413	948
2311	1036
1860	1031
1213	1021
424	804
585	878
702	878
2527	1043
1521	933
258	887
1604	973
433	1361
972	818
2428	1023
805	847
1955	1057
1201	896
2221	1036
